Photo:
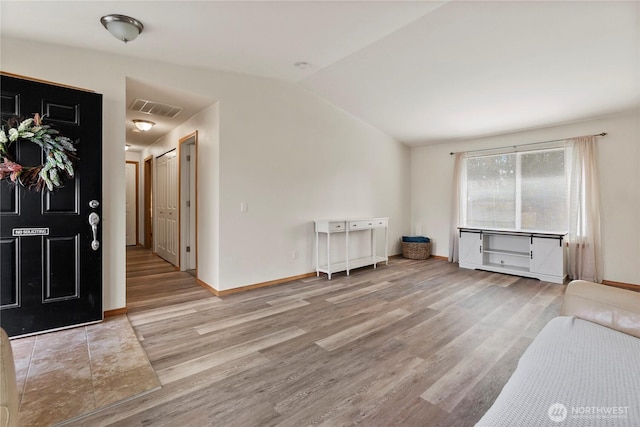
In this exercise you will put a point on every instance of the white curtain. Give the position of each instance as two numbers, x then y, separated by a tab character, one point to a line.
459	179
585	254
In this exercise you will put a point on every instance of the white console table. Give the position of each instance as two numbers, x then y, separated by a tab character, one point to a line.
540	255
346	227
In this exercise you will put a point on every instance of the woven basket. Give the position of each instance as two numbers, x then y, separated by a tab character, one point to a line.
413	250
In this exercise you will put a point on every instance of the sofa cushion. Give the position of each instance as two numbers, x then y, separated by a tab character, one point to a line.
614	308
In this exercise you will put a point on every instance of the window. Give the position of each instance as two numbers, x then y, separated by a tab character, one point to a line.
517	190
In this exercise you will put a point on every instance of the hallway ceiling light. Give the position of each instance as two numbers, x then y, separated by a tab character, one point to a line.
122	27
143	125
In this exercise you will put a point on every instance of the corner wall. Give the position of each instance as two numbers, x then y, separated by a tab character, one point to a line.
207	123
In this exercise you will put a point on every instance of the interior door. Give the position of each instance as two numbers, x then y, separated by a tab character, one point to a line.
167	196
148	199
161	197
188	201
53	278
131	204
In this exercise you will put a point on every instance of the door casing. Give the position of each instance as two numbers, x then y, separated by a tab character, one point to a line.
148	198
188	194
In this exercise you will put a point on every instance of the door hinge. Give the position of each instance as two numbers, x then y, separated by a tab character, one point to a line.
188	158
188	203
188	248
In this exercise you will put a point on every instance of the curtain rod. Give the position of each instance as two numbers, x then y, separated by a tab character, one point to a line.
521	145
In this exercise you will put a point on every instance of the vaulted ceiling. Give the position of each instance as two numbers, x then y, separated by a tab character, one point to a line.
421	71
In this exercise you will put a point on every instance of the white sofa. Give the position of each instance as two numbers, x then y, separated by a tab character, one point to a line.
583	368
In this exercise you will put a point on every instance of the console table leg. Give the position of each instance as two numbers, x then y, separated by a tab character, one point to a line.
329	255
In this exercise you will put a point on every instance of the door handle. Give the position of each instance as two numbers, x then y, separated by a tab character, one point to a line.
94	220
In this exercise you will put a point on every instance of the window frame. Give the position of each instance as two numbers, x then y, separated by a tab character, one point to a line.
518	182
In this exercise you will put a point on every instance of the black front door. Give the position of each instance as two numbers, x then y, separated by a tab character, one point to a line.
51	268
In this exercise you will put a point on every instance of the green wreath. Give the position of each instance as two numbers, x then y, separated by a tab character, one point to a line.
58	153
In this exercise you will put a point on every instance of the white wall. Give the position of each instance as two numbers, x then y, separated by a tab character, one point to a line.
320	163
290	156
619	166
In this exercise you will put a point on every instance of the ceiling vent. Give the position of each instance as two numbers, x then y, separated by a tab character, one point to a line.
155	108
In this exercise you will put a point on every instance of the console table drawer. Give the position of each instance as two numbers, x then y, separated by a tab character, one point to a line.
382	223
331	226
361	225
337	226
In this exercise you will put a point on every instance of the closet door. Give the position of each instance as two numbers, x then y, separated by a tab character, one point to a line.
167	199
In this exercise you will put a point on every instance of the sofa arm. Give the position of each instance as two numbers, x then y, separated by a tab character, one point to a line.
614	308
8	387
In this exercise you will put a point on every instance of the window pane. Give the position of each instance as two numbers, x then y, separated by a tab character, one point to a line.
491	191
544	191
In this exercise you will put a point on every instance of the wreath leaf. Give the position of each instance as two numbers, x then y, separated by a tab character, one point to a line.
24	125
13	134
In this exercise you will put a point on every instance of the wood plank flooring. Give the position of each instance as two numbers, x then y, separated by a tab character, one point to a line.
414	343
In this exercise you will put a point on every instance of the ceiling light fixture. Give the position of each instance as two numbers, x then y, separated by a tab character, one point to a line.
143	125
122	27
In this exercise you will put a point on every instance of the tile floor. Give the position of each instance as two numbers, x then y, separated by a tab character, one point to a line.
64	374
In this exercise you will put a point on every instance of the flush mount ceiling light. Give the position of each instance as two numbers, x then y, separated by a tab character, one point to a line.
143	125
122	27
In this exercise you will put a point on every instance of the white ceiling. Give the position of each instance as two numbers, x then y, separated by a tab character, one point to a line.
420	71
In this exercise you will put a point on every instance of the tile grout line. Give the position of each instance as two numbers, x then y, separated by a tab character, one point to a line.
26	376
93	386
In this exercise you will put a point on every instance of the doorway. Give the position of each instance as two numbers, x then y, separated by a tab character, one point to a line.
131	203
148	202
188	185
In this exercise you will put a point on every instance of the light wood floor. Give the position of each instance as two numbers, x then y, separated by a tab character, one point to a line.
415	343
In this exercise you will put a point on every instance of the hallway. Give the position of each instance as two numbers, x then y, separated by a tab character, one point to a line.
153	282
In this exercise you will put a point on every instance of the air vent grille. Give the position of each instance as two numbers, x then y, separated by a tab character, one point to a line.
155	108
